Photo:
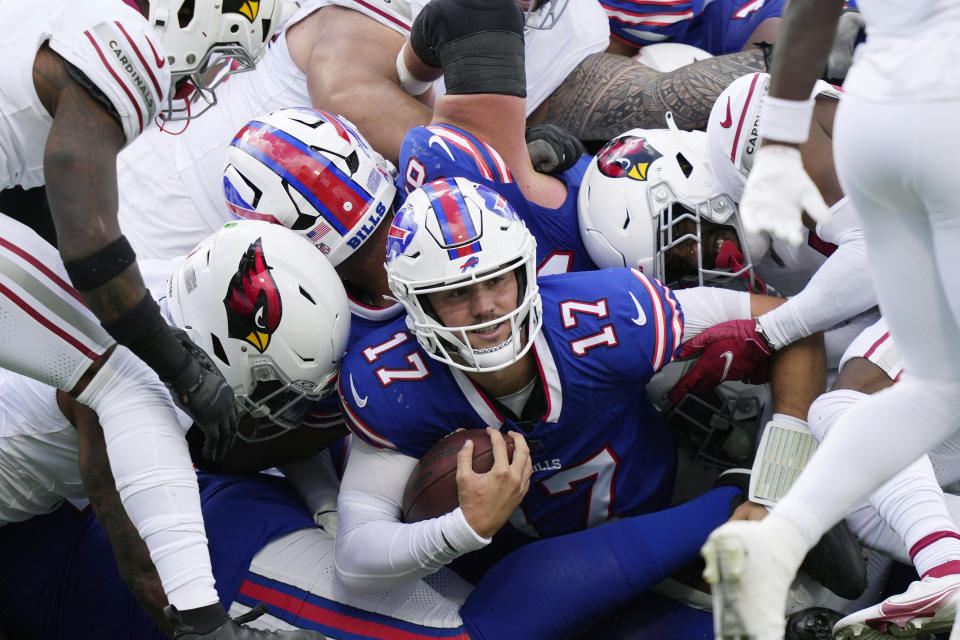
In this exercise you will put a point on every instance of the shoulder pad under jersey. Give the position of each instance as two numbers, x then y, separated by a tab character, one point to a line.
113	45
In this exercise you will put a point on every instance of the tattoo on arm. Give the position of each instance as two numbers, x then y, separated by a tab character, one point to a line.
609	94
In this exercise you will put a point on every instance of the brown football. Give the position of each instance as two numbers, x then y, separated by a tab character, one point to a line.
432	487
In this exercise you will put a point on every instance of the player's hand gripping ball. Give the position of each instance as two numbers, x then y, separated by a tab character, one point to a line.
432	488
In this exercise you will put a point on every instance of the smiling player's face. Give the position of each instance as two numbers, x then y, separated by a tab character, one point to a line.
476	304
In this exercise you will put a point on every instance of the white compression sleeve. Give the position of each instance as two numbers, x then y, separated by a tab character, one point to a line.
375	550
154	474
840	289
704	307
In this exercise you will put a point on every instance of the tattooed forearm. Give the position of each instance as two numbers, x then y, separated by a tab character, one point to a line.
129	549
608	94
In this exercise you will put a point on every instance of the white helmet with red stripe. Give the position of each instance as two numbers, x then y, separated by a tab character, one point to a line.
312	172
732	130
209	40
454	233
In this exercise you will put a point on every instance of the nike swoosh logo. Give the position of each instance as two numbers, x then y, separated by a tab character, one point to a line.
361	402
728	360
160	61
728	122
641	318
437	140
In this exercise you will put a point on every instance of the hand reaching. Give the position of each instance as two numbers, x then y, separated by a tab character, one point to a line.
731	350
777	193
203	393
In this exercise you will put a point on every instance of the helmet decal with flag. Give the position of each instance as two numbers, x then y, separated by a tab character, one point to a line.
206	41
313	172
271	313
650	201
453	233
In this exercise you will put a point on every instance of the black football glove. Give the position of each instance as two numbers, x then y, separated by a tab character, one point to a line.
203	393
850	32
553	149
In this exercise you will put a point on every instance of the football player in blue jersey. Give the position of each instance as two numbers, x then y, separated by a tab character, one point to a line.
556	364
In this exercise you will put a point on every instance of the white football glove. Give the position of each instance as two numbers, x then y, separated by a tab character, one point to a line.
777	192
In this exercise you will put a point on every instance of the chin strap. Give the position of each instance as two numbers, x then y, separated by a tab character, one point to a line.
730	257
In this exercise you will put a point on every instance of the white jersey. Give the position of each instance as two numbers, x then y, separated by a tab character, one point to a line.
38	446
911	47
38	450
171	191
108	41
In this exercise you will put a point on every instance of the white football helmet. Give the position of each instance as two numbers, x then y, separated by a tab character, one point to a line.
645	194
271	313
209	40
312	172
733	128
452	233
542	14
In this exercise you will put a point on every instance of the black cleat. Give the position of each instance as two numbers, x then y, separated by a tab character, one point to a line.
815	623
213	623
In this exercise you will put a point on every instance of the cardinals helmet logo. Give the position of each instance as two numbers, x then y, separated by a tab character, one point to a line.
253	301
628	156
247	8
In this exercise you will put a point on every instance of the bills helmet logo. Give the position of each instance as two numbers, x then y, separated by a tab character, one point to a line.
628	156
470	263
497	203
247	8
401	232
253	302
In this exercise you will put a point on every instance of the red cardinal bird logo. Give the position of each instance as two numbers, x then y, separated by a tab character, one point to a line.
253	302
628	156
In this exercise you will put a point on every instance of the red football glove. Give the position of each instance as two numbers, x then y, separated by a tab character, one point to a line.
731	350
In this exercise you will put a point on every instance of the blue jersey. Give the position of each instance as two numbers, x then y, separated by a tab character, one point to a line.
716	26
599	447
444	151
